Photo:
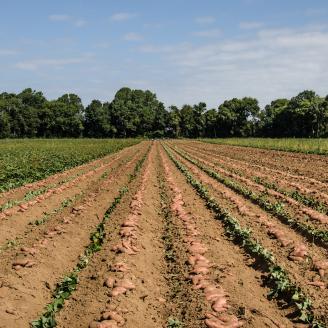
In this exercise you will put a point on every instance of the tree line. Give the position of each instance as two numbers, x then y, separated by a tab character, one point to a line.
138	113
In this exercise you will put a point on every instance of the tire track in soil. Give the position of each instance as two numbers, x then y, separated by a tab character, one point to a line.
25	292
141	304
249	215
15	225
232	270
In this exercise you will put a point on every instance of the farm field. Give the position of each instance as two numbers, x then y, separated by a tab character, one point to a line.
300	145
171	234
27	160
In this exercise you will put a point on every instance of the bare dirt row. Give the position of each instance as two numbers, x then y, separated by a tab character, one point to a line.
305	175
306	166
305	261
308	192
164	259
30	271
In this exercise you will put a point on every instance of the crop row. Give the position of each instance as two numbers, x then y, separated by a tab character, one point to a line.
299	145
302	196
23	162
68	284
261	200
280	283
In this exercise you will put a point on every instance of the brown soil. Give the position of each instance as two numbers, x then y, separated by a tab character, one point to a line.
276	237
54	250
16	224
281	179
19	192
295	209
231	268
166	260
299	169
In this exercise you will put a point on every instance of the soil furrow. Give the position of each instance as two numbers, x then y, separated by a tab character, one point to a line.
133	258
13	226
306	166
301	192
300	212
284	243
267	162
27	290
232	269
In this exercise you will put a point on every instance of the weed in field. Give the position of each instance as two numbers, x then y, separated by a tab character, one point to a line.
174	323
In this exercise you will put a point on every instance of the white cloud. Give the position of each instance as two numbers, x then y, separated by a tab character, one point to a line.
250	25
77	22
80	23
213	33
59	18
119	17
132	36
270	64
205	20
35	64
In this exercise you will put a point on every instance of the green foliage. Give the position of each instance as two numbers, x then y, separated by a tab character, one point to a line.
299	145
295	194
26	161
276	208
62	292
236	117
174	323
139	113
69	283
281	285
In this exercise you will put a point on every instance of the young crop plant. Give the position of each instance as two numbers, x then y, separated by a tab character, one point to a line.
305	200
69	283
277	208
280	283
26	161
174	323
298	145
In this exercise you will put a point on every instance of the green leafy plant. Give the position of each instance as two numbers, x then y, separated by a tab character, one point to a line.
174	323
281	284
97	238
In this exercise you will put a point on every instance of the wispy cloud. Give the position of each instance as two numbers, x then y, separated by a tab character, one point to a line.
205	20
35	64
8	52
269	64
80	23
77	22
59	17
132	36
103	45
250	25
124	16
213	33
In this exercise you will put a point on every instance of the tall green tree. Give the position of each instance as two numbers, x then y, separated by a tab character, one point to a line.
97	120
211	126
237	117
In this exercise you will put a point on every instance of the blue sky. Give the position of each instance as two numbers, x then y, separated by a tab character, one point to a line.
185	51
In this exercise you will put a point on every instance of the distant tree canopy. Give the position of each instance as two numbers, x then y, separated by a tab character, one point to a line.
138	113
